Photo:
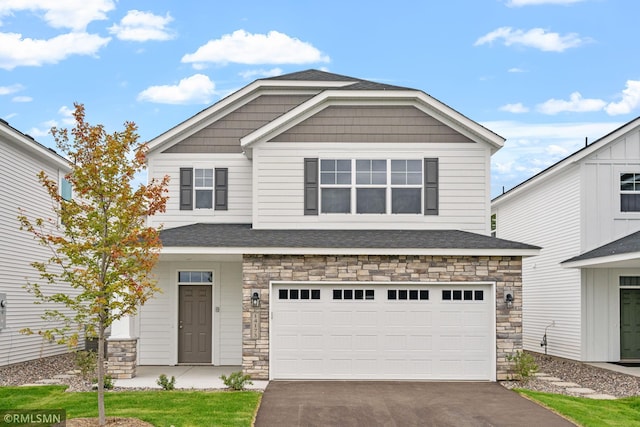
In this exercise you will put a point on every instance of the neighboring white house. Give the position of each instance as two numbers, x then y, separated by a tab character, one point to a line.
322	226
21	159
583	289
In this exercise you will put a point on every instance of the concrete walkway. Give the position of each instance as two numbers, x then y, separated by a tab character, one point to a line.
635	371
187	377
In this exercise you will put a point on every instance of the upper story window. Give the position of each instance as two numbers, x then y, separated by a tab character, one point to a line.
208	187
369	186
65	189
494	224
204	188
630	192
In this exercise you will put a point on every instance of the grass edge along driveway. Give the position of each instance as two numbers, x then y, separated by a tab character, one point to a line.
179	408
590	412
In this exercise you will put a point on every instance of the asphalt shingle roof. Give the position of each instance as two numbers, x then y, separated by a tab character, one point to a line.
625	245
243	236
322	76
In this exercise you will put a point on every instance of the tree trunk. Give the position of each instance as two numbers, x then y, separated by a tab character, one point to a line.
101	415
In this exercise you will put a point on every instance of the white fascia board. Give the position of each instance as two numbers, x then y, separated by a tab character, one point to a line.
185	250
33	147
416	98
605	261
563	164
215	111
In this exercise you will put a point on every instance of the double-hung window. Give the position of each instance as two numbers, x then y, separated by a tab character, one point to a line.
203	183
335	181
406	186
630	192
371	186
207	187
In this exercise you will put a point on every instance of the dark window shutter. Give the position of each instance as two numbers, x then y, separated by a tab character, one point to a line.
186	189
222	189
311	186
431	186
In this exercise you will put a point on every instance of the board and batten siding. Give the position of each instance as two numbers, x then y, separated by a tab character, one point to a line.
548	215
158	318
20	188
239	191
603	221
278	169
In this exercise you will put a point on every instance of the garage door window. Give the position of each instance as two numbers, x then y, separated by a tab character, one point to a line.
353	294
462	295
408	294
298	294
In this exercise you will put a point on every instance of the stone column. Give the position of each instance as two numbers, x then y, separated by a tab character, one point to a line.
122	349
121	357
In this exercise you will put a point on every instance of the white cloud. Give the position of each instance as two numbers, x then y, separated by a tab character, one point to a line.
21	99
516	70
16	51
575	104
519	3
538	38
245	48
251	74
67	115
630	99
514	108
197	89
74	14
8	90
141	26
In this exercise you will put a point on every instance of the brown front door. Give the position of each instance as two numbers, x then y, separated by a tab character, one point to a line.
194	324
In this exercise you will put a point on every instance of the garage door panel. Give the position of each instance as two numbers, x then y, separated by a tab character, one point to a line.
392	335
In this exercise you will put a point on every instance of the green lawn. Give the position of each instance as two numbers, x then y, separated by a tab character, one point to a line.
160	408
590	412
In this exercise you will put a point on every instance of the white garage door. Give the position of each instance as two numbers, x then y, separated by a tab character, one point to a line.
361	331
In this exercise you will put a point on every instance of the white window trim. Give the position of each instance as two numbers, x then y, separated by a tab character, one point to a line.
388	186
196	188
618	171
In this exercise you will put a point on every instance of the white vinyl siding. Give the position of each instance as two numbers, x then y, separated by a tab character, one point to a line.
548	215
158	318
239	190
278	170
20	189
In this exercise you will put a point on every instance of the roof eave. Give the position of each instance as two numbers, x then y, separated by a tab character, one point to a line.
33	146
199	250
603	261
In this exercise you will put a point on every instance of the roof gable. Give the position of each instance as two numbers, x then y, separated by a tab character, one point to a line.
325	89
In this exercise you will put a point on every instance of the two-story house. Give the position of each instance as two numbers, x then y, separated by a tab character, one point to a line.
21	159
326	227
583	290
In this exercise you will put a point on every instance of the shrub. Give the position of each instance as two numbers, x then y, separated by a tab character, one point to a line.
524	365
165	383
86	361
236	381
107	383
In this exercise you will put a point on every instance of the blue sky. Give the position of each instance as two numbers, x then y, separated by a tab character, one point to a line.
545	74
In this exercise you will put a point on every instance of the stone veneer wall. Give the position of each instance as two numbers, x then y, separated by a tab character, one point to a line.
259	270
121	358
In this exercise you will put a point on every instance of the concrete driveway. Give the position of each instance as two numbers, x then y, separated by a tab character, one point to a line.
395	403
